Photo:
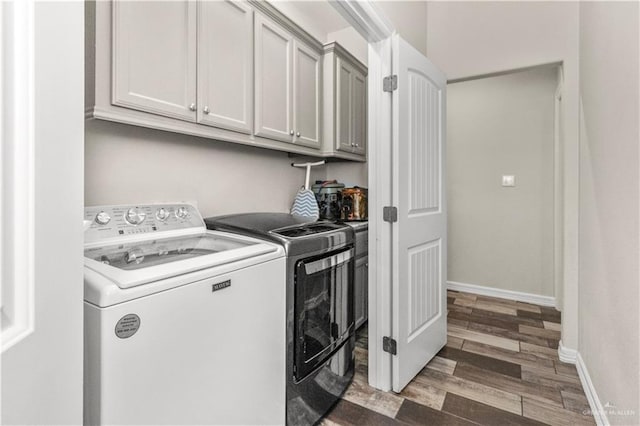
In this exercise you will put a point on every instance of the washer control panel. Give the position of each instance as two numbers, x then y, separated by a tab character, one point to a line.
106	222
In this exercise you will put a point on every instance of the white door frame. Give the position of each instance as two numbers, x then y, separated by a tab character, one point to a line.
376	28
558	207
380	232
17	205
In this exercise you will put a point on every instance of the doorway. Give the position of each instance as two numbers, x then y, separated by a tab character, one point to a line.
503	184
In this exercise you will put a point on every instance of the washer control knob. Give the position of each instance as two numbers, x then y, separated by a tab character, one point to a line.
135	216
103	218
162	214
182	213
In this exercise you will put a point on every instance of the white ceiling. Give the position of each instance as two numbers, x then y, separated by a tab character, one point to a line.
317	17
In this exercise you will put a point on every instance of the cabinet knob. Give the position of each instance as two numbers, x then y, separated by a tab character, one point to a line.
298	134
357	145
206	110
192	107
291	132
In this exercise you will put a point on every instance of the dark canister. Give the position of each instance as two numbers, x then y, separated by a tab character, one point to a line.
328	194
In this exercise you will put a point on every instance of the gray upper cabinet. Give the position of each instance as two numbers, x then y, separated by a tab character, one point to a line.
225	65
229	70
273	80
307	95
359	113
345	107
288	81
154	60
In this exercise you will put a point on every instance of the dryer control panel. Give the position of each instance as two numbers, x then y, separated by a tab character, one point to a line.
108	222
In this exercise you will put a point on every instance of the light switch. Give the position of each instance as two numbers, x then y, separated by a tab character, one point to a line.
508	180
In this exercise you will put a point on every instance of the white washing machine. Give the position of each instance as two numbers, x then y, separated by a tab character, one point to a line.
182	325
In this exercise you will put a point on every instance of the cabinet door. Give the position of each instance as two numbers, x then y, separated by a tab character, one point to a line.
360	291
273	109
359	114
154	57
225	65
306	95
343	99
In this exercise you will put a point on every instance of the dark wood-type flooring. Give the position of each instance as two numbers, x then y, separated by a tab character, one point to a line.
500	367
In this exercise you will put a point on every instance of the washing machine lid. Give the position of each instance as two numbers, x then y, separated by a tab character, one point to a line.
137	262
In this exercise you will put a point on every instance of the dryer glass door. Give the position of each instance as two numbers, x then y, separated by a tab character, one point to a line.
323	308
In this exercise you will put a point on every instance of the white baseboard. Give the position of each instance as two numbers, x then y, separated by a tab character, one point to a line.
536	299
597	409
572	356
558	305
566	354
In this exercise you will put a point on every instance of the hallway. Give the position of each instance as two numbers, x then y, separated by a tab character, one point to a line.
500	366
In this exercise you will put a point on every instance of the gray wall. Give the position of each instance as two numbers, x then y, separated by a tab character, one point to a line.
502	237
609	210
129	164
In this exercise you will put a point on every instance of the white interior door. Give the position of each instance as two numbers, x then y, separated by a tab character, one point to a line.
420	234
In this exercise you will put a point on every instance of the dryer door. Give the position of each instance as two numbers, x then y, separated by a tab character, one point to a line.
323	308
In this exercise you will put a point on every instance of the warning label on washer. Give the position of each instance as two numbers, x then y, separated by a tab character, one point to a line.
127	326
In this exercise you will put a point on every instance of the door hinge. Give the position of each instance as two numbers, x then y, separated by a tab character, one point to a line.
390	83
389	345
390	214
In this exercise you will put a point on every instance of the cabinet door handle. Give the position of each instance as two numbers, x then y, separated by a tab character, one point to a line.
298	134
192	107
291	132
206	110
